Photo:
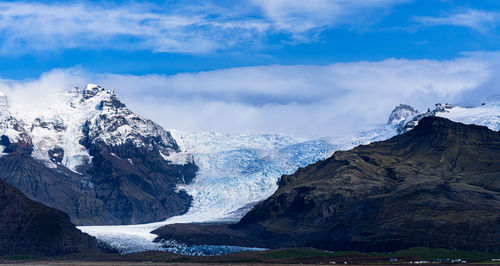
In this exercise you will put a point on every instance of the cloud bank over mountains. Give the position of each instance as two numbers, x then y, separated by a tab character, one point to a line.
305	100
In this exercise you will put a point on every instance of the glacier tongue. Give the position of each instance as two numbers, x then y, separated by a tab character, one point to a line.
237	170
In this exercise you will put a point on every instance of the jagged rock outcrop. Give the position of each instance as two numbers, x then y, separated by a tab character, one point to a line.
30	228
401	113
437	185
411	121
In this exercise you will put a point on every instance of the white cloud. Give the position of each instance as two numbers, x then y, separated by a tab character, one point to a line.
35	26
303	100
482	21
181	27
298	16
36	95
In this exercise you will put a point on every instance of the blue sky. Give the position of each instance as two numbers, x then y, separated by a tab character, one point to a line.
206	35
185	53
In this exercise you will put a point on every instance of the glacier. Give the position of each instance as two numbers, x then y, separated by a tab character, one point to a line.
236	171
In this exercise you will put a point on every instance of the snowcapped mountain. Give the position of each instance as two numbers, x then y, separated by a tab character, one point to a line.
113	164
92	157
485	115
63	133
488	114
237	170
116	125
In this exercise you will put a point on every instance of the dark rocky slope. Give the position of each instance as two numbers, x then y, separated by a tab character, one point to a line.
139	192
30	228
128	171
59	189
113	191
437	185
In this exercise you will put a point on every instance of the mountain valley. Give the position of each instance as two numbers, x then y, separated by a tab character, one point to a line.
93	158
433	186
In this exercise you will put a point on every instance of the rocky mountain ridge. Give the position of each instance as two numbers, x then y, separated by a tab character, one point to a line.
92	157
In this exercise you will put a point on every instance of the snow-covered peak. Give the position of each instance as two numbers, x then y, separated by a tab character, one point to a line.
412	121
91	86
92	90
485	115
82	117
401	113
114	124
